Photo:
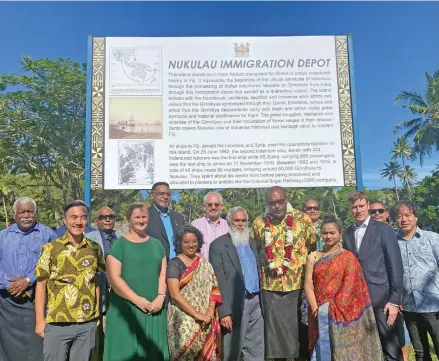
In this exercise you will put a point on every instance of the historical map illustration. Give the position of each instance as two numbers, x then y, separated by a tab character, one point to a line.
135	71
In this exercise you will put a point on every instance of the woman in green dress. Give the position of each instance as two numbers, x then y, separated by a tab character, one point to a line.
136	319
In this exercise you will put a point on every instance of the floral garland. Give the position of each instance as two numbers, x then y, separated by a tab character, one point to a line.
278	271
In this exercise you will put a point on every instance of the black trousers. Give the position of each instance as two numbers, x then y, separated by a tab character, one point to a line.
419	326
390	336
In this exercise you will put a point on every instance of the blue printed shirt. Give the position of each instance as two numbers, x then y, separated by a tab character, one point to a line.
420	258
249	268
19	251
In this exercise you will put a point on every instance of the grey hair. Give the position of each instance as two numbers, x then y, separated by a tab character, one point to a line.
233	210
24	200
213	194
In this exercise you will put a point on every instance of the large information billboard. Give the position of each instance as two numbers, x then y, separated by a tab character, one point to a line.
221	112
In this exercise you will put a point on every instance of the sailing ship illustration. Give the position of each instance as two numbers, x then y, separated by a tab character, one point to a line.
135	126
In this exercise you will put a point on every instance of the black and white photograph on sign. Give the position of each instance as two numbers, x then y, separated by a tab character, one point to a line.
135	71
136	118
136	163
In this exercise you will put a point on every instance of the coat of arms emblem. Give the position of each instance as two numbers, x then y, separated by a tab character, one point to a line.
242	49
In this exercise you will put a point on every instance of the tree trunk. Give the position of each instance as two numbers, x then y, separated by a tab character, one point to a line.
396	189
5	210
333	206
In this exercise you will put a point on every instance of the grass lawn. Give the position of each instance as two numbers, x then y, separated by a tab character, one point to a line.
434	357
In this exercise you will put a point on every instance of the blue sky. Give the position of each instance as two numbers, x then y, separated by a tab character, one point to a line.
394	44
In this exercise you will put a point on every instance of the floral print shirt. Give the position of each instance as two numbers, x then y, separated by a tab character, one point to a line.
304	239
71	273
420	258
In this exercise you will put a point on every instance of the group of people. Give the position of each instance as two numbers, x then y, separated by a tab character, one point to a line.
290	286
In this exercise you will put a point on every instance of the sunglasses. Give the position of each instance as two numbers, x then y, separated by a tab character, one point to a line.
311	208
374	211
106	216
279	202
211	204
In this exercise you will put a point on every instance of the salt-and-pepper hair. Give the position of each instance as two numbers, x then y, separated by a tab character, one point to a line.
23	200
213	194
233	210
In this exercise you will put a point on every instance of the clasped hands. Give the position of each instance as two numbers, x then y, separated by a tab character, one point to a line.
18	287
150	307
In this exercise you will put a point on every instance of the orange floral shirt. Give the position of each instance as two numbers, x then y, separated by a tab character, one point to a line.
304	240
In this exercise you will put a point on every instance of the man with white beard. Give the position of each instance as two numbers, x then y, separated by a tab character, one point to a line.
235	261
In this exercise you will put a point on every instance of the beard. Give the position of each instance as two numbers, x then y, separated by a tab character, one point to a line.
240	237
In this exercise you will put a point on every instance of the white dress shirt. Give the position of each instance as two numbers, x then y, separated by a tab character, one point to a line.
360	232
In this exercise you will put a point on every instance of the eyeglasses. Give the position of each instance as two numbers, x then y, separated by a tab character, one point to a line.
211	204
106	216
374	211
162	194
312	208
279	202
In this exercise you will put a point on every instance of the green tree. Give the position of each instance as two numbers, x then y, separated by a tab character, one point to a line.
424	128
329	200
426	195
408	176
42	117
402	150
392	171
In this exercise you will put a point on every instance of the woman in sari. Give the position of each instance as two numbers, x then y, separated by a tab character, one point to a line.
193	324
341	320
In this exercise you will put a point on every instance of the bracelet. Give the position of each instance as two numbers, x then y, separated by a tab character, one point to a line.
162	294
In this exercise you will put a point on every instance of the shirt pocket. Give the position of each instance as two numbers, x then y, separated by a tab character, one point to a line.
35	250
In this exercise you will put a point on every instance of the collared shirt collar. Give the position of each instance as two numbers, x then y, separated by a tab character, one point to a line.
105	235
364	224
66	240
210	222
14	228
160	212
417	234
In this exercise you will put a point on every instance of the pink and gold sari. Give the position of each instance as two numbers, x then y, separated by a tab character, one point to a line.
187	338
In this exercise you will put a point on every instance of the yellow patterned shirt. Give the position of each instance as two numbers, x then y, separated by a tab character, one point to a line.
304	239
71	274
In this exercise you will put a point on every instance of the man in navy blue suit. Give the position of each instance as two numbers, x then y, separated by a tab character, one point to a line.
376	247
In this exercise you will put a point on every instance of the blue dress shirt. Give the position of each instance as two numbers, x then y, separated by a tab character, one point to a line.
249	268
19	251
166	220
420	258
107	241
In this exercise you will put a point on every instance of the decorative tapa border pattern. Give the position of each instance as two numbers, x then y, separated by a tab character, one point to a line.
97	114
345	105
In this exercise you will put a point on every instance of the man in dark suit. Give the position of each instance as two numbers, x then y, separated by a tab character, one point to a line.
163	222
235	261
376	247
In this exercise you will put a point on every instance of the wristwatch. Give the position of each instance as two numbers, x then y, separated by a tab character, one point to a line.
28	281
162	294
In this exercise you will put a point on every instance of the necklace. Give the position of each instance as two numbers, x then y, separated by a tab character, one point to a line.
289	242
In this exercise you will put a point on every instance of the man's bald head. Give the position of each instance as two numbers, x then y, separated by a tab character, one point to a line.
277	189
105	219
277	202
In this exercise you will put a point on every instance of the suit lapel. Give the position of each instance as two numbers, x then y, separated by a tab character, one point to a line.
233	254
370	233
173	221
350	238
154	214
